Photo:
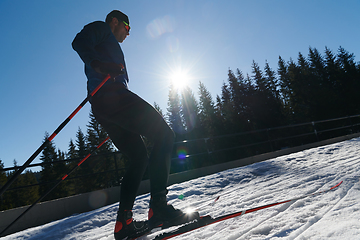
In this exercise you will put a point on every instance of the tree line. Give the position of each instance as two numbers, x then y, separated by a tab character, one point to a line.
310	88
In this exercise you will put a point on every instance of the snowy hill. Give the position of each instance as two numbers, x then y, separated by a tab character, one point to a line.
333	215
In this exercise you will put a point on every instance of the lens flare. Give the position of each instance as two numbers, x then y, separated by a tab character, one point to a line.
159	26
182	152
189	210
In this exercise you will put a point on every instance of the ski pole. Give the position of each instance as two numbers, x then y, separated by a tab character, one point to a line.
61	126
50	190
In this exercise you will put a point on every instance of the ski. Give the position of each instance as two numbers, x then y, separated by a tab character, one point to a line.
189	210
208	220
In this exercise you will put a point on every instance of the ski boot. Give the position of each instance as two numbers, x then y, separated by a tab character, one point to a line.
161	214
127	228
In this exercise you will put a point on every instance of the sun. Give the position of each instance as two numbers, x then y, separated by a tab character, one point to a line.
180	79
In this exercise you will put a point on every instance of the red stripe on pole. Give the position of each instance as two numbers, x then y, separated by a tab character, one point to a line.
103	142
52	137
100	85
65	176
84	159
75	112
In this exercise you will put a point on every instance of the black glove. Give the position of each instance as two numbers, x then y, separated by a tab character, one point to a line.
106	68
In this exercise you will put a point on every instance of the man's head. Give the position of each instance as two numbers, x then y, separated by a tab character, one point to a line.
119	24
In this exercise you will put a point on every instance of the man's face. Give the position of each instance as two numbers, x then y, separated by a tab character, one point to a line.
120	32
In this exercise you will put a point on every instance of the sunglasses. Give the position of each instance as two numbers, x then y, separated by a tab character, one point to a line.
127	26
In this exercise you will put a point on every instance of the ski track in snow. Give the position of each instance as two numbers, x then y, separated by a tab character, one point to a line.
316	219
332	215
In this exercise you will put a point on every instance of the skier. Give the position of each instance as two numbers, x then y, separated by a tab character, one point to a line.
126	118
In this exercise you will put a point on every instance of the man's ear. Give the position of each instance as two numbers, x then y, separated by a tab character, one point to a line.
114	21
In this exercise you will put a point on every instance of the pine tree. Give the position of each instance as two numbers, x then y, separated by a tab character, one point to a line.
273	103
96	134
29	195
52	170
99	164
333	78
211	124
285	90
350	81
189	110
5	201
238	99
174	112
48	174
206	111
249	102
226	107
60	169
81	144
241	97
157	107
218	110
305	89
271	81
317	65
83	184
259	98
71	154
323	94
3	178
17	197
260	82
301	90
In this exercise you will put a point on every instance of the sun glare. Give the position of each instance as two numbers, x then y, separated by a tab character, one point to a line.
179	79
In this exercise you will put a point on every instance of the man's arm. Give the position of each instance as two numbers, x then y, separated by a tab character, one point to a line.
86	41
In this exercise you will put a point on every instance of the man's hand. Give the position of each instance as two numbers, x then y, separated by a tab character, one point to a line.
106	68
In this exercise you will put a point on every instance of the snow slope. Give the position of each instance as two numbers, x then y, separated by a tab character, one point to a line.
333	215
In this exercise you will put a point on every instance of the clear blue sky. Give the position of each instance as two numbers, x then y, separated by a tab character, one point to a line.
42	78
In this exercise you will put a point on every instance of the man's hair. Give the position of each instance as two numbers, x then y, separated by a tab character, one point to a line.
117	14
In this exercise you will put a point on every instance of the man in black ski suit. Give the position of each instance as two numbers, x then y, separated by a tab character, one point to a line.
126	118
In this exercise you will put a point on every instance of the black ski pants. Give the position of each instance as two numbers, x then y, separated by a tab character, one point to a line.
126	118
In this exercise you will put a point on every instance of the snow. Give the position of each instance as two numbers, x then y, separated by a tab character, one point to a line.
332	215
